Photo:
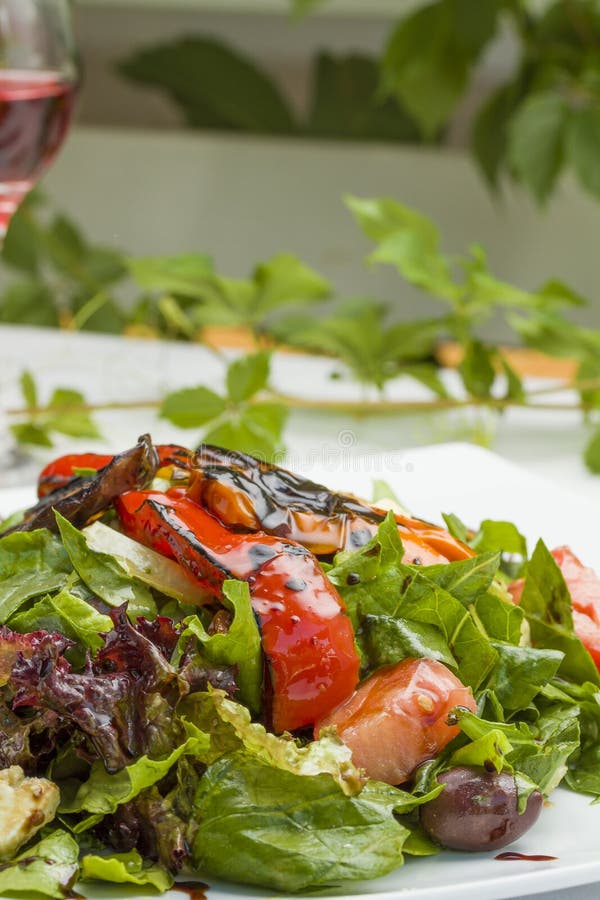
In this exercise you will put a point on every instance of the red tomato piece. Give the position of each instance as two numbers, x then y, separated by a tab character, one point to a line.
307	636
584	587
583	583
396	719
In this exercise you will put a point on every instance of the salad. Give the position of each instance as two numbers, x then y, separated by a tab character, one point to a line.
213	667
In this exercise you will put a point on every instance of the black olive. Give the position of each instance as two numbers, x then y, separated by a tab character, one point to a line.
477	810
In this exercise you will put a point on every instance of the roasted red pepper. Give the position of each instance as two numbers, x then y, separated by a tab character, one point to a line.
61	471
307	636
246	493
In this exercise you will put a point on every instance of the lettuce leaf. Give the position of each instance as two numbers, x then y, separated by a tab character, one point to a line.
68	614
125	868
102	793
234	729
145	564
239	646
103	575
49	867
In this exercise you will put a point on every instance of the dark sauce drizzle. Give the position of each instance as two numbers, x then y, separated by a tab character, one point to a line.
196	890
512	854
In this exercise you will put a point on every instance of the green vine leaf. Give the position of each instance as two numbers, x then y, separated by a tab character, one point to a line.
192	407
187	275
536	142
345	105
238	420
583	147
28	389
66	413
216	86
592	453
429	56
477	370
247	376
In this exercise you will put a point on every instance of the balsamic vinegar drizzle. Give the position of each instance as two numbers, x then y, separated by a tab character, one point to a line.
196	890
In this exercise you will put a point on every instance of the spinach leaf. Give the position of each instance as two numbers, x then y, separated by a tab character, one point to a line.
467	578
547	604
31	564
521	672
497	536
260	825
386	640
545	594
423	602
501	619
387	587
546	762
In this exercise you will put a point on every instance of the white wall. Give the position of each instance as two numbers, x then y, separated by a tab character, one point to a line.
283	47
245	199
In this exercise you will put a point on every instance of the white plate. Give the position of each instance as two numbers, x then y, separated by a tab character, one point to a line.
474	484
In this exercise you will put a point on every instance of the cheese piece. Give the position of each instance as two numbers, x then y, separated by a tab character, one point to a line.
26	805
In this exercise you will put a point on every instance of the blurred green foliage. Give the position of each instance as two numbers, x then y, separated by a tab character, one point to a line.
542	121
56	276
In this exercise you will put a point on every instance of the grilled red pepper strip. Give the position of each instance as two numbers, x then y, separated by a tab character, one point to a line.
248	494
61	471
307	636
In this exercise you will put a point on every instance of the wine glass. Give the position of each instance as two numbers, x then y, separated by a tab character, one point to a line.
38	80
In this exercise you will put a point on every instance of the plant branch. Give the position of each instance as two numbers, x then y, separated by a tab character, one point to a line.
352	407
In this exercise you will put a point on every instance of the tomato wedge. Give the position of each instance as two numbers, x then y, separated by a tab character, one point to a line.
307	636
396	719
584	587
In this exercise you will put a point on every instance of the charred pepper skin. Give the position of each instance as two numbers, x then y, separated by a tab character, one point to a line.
307	636
84	498
58	473
250	495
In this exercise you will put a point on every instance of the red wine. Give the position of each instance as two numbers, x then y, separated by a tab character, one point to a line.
35	113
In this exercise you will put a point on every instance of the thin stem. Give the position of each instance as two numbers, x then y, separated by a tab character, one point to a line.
352	407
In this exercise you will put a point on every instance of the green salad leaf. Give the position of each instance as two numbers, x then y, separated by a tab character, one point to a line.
125	868
102	793
234	729
240	645
66	613
547	604
31	564
267	826
103	574
49	867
